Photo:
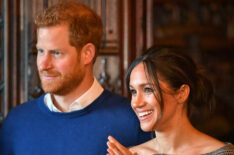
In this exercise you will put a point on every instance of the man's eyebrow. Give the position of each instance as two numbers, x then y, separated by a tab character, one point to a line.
37	47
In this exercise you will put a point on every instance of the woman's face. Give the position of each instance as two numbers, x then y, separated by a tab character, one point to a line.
145	104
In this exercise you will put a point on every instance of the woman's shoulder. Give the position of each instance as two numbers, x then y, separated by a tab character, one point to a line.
207	144
228	149
211	146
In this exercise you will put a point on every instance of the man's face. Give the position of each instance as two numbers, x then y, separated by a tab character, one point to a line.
59	64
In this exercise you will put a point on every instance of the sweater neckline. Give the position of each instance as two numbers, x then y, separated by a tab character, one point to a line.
228	147
221	149
45	109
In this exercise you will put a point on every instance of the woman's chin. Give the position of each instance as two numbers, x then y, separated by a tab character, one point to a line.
147	128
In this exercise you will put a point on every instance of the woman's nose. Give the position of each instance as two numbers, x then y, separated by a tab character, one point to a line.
138	101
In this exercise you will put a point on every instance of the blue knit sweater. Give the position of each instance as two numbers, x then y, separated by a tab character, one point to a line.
32	129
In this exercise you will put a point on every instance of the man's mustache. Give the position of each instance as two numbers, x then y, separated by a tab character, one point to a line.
49	73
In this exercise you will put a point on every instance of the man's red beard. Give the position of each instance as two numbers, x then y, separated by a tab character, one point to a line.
61	84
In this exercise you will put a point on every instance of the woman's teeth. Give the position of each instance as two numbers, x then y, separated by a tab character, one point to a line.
142	114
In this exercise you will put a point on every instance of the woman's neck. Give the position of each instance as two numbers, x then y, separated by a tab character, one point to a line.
177	137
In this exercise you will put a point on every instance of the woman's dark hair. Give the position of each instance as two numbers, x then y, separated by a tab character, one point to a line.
176	68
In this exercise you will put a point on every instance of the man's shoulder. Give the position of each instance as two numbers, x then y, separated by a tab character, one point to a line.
114	101
25	107
30	103
115	104
21	114
113	97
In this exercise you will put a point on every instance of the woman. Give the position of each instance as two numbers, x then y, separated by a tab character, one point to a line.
165	85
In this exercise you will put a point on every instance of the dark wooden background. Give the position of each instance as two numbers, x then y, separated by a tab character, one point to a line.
204	28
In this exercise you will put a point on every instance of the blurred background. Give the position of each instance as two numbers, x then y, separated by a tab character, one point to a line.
202	28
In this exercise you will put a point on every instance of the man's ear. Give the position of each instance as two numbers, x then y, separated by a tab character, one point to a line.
183	93
88	53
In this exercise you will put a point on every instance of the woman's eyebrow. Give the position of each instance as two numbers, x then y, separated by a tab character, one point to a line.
143	85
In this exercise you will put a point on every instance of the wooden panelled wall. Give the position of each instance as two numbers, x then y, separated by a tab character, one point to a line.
204	28
125	34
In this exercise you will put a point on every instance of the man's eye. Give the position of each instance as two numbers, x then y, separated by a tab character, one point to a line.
40	52
57	53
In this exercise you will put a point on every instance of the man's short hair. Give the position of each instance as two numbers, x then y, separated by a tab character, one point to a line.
85	26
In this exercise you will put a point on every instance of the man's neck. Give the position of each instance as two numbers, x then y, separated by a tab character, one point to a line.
63	102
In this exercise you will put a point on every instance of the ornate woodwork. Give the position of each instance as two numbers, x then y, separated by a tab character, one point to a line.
205	28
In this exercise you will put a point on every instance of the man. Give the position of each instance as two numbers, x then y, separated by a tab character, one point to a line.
75	115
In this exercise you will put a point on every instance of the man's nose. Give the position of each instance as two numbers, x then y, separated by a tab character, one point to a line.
44	61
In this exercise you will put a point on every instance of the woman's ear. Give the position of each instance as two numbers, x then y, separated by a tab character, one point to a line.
183	93
88	53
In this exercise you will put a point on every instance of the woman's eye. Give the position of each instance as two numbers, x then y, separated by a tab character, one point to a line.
149	90
133	91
